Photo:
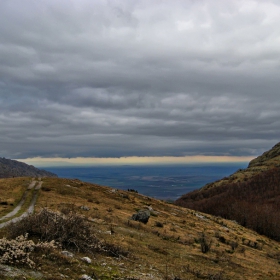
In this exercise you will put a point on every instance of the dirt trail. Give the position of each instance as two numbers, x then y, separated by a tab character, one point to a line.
29	210
14	212
18	207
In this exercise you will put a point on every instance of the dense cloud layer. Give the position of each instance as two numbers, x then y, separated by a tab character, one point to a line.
144	78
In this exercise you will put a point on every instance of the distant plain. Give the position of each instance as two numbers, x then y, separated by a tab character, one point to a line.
166	182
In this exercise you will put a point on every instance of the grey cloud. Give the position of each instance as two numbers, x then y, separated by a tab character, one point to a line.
123	78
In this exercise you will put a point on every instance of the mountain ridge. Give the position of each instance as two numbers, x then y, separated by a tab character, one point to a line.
12	168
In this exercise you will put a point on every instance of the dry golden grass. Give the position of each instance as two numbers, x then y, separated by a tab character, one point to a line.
168	246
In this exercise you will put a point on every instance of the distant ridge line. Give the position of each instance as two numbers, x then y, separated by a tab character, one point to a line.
12	168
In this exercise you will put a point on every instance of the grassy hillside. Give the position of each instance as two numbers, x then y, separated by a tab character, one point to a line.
250	196
176	243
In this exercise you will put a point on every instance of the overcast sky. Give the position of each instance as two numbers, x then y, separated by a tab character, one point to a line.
138	78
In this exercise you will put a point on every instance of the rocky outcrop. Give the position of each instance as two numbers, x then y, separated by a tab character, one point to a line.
142	216
11	168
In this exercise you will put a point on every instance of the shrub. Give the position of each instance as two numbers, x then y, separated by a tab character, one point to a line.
233	245
205	243
45	189
132	190
4	203
158	224
70	230
17	251
222	239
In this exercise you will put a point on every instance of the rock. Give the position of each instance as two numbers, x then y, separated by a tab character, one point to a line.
67	254
150	208
200	216
85	277
142	216
86	259
86	208
97	221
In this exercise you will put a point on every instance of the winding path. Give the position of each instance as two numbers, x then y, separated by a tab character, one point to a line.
29	210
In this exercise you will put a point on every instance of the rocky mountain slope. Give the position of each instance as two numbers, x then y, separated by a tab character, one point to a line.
12	168
250	196
100	234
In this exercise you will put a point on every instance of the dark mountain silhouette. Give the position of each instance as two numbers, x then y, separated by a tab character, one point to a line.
11	168
250	196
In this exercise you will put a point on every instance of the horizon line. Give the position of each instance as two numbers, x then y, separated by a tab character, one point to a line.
134	160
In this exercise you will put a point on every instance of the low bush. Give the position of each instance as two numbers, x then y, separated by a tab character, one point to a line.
158	224
4	203
45	189
205	243
132	190
70	230
17	251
